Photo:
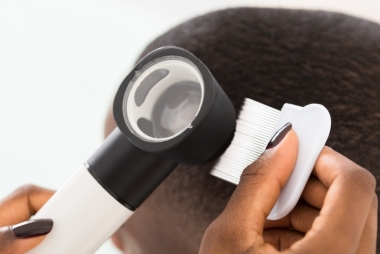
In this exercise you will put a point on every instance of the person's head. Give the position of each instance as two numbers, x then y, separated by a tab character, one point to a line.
272	56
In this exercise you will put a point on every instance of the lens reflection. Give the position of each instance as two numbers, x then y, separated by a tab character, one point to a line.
174	110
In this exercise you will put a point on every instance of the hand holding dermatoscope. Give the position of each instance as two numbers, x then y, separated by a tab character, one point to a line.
169	110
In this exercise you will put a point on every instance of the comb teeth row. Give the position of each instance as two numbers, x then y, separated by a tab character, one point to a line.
253	132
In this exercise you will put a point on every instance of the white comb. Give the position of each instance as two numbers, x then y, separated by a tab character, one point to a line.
256	125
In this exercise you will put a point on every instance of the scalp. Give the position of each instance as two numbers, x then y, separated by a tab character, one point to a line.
278	56
301	57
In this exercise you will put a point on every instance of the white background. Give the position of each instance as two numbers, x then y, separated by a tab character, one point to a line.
61	63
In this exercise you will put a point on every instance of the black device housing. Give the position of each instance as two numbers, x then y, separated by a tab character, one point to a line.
130	169
212	129
127	173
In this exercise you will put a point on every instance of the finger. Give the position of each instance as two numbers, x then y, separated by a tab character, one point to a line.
345	208
282	239
303	216
23	203
261	183
314	192
368	239
117	241
300	218
24	236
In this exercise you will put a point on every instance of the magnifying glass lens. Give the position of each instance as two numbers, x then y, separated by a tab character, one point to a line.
164	99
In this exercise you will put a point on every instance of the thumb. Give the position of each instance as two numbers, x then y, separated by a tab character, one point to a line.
24	236
261	182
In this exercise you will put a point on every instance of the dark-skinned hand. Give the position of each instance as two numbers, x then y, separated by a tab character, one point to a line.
337	212
18	234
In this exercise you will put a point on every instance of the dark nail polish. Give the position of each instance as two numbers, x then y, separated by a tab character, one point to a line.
32	228
279	135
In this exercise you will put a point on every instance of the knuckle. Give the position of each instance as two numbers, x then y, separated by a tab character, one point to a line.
327	152
328	158
353	175
360	178
328	149
25	190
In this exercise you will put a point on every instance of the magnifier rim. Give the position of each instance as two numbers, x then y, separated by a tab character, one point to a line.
128	96
208	99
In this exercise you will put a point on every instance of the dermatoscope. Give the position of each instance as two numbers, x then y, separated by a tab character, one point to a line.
169	110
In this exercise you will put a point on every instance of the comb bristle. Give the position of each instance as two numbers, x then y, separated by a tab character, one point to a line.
254	126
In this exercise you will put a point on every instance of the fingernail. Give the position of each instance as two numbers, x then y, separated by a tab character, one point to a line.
279	135
32	228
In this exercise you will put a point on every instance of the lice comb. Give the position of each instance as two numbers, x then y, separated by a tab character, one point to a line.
256	125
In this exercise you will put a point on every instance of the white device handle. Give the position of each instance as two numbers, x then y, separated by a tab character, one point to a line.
84	216
312	124
101	196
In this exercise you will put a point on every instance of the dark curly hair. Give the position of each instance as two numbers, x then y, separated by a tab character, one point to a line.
276	56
